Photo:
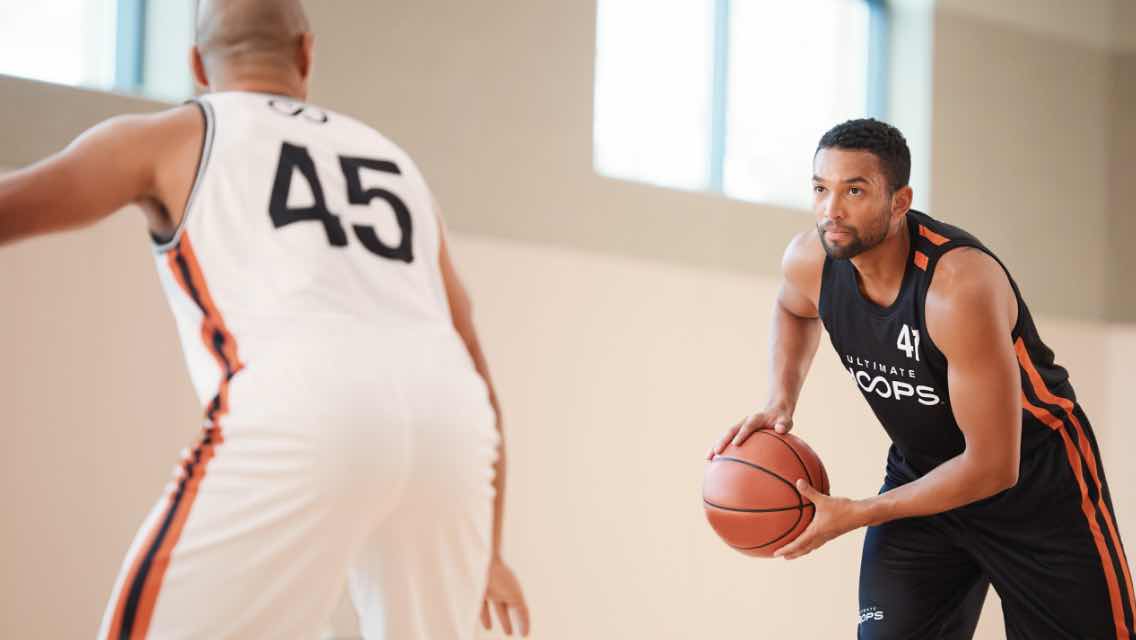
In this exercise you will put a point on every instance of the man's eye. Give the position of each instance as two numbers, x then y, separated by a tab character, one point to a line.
855	191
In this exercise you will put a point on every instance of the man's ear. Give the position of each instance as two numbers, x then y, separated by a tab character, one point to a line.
198	65
305	55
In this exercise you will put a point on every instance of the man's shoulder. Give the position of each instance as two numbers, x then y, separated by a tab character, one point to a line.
966	268
804	256
802	266
804	251
968	283
150	128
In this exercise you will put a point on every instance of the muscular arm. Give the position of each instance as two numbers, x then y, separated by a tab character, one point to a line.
503	592
795	334
124	160
462	311
971	310
796	321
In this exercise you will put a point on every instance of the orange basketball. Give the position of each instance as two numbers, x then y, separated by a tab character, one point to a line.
750	492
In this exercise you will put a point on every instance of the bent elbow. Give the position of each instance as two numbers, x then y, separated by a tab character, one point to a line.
1009	479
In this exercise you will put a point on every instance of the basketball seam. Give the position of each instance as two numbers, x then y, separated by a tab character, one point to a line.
800	514
796	455
764	470
740	510
801	504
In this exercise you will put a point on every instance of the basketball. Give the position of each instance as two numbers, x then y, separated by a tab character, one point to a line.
750	493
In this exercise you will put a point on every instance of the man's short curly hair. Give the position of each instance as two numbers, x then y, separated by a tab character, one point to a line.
881	139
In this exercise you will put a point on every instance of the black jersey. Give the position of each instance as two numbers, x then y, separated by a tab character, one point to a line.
903	375
1049	545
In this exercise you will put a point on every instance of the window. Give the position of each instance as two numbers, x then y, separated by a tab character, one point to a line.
66	41
731	96
132	46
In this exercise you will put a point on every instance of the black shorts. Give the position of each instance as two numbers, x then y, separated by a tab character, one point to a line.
1049	546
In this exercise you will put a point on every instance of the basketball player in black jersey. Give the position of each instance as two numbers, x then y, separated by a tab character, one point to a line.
994	476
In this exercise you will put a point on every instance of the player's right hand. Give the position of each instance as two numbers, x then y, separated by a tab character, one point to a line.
779	420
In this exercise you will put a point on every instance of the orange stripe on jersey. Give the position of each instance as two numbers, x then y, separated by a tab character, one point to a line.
921	260
187	272
1086	453
139	593
935	238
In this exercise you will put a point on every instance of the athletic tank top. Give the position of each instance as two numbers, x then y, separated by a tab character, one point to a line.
307	236
903	375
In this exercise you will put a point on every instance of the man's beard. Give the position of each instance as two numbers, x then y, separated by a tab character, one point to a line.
857	244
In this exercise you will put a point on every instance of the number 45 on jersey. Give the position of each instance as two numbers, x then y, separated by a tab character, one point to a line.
293	157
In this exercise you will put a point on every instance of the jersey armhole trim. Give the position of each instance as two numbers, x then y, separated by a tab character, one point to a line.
1015	332
822	298
207	115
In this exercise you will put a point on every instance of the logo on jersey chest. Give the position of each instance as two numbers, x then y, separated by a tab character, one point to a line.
890	381
871	614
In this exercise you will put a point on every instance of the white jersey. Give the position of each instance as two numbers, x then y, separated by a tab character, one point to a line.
303	226
347	432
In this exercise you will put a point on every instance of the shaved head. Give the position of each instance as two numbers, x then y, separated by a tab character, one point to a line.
262	33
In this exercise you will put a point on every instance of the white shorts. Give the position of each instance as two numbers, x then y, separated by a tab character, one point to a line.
384	476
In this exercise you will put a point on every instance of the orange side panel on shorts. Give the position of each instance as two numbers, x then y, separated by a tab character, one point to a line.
1075	456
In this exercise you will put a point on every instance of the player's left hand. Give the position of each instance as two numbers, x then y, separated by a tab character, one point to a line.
833	517
503	594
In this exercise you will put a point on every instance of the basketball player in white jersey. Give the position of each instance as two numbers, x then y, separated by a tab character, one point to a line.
351	427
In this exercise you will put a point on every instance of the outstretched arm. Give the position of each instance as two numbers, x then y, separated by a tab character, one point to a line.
111	165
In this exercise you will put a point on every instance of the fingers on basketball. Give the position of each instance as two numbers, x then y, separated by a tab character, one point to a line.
782	425
751	424
724	441
807	490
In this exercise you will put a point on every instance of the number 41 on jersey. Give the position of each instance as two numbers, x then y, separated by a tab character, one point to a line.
908	342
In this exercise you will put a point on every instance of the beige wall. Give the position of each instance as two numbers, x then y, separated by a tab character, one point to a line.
625	324
1021	156
1122	211
1089	23
1124	26
96	407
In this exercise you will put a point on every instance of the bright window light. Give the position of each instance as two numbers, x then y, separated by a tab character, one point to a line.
62	41
130	46
652	100
730	96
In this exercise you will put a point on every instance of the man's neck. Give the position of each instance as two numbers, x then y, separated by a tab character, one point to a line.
880	270
262	85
